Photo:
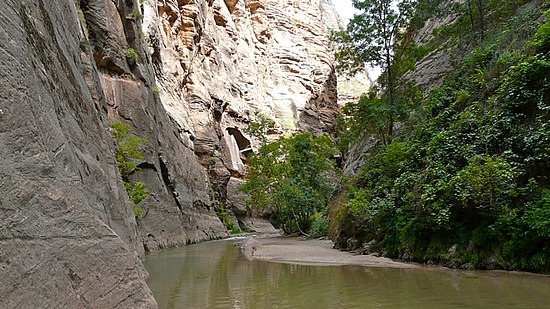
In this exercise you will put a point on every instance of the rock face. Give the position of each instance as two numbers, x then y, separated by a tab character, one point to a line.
179	209
186	75
221	64
430	70
68	237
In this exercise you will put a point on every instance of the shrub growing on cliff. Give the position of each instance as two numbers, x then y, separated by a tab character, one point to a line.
292	177
136	193
131	56
221	212
260	128
127	148
126	152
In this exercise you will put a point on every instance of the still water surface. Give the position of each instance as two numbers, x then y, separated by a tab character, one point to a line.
216	275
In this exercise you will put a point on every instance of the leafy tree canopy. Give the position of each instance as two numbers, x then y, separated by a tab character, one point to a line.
291	176
373	37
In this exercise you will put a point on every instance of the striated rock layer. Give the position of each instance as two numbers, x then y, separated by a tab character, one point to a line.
186	75
68	237
221	64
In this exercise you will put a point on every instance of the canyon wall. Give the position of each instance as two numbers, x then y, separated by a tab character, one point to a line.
187	76
220	65
68	237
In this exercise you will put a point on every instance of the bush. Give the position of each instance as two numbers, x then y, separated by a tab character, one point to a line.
537	217
155	89
292	177
126	152
484	184
227	222
319	227
136	192
471	172
131	56
127	148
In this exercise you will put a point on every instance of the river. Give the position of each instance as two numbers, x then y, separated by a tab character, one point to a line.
217	275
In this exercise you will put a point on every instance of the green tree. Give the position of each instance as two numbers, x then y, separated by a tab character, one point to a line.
371	38
370	115
292	177
476	11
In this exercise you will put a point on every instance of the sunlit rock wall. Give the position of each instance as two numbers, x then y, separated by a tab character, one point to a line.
221	64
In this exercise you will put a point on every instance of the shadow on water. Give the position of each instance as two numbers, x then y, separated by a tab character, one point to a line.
216	275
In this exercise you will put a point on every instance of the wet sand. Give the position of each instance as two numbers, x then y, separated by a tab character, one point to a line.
298	250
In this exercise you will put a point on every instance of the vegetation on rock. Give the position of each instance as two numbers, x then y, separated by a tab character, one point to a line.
227	222
470	170
131	56
126	152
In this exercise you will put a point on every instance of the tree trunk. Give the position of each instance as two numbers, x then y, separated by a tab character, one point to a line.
480	10
298	224
391	98
471	12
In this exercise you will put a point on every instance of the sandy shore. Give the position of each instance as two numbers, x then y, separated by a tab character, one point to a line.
297	250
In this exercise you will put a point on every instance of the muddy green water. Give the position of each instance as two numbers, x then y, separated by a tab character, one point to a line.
216	275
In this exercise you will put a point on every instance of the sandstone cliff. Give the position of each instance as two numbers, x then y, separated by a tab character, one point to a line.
221	64
186	75
68	237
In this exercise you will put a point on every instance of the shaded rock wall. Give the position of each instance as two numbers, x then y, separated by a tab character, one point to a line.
179	210
430	70
68	237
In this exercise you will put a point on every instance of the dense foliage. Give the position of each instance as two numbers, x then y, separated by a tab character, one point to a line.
370	38
126	152
467	183
292	176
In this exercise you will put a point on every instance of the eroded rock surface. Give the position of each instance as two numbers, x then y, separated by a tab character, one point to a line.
221	64
179	209
430	70
68	237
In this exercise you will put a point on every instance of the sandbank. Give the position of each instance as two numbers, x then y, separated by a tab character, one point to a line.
298	250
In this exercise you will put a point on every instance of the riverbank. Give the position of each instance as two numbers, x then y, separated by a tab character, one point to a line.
298	250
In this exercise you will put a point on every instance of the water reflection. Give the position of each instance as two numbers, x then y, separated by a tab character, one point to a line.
216	275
